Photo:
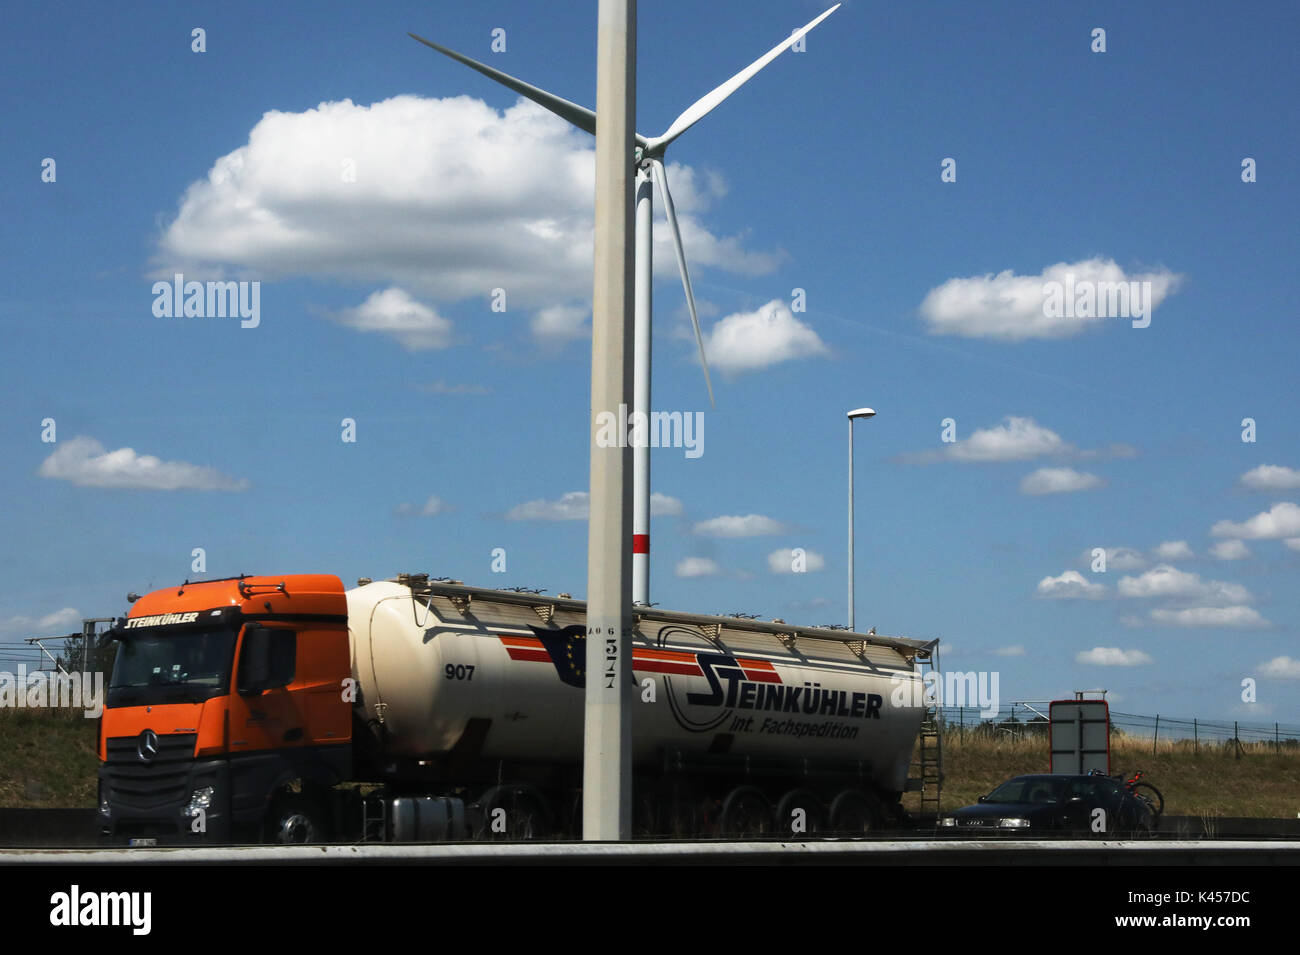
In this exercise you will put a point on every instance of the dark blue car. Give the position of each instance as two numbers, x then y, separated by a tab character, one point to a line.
1051	804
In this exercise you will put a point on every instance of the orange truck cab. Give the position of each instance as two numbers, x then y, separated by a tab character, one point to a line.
229	704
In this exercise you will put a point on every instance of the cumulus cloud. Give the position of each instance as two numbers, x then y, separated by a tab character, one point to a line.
1173	550
1280	520
573	506
84	462
1230	617
783	561
697	567
448	197
1058	481
1112	657
67	620
1230	550
751	341
1016	439
393	312
1117	558
558	324
432	507
1281	668
750	525
1271	477
1070	585
1009	307
1165	580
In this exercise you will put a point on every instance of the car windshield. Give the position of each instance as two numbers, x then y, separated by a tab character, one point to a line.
1027	789
172	665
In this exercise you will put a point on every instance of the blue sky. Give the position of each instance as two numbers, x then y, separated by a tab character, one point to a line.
822	174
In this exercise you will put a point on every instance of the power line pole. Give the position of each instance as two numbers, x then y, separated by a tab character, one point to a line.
607	747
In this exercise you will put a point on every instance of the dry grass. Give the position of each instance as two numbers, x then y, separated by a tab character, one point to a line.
48	759
1211	782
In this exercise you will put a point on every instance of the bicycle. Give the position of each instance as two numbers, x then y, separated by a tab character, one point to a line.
1146	792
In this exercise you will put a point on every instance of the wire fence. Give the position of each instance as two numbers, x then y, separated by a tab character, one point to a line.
1018	720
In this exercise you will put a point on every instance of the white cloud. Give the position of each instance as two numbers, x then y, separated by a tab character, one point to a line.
697	567
1173	550
432	507
450	198
1112	657
1070	585
394	313
85	463
1281	668
60	622
1012	651
1165	580
1293	543
558	324
661	505
751	525
1058	481
1010	307
1280	520
1016	439
1234	617
782	561
750	341
1271	477
1230	550
573	506
1117	558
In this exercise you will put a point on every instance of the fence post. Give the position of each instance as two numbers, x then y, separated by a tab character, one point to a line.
1277	744
961	723
1157	736
1236	741
1196	739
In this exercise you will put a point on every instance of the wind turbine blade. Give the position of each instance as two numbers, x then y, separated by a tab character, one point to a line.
579	116
701	107
661	179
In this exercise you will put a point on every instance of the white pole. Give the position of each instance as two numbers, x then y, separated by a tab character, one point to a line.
607	750
641	388
851	618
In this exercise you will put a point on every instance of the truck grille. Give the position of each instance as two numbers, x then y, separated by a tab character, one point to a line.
136	784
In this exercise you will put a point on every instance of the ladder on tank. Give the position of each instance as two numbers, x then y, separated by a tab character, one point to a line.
929	761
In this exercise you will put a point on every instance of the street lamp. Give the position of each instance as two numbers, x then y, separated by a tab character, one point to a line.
859	413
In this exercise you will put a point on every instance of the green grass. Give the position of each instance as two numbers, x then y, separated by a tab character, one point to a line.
1262	783
48	759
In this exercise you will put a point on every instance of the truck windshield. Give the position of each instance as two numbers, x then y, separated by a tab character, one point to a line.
172	666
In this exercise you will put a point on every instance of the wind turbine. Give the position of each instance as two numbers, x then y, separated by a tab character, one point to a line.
649	159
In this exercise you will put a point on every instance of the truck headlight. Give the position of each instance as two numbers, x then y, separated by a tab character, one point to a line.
200	801
948	821
1017	822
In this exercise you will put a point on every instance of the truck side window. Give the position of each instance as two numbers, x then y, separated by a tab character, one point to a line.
284	650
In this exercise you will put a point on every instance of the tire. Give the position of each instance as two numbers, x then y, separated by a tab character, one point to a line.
814	813
295	819
527	816
746	813
1152	797
855	813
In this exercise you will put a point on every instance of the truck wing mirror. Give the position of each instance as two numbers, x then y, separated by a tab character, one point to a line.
254	661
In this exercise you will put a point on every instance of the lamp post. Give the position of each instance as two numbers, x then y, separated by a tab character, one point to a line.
859	413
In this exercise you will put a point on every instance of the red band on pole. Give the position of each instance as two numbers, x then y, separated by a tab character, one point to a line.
640	543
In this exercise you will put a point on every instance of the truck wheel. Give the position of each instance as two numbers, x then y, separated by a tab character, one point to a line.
812	820
854	813
746	812
295	819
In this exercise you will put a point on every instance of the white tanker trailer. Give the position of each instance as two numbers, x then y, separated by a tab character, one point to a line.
736	723
286	709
